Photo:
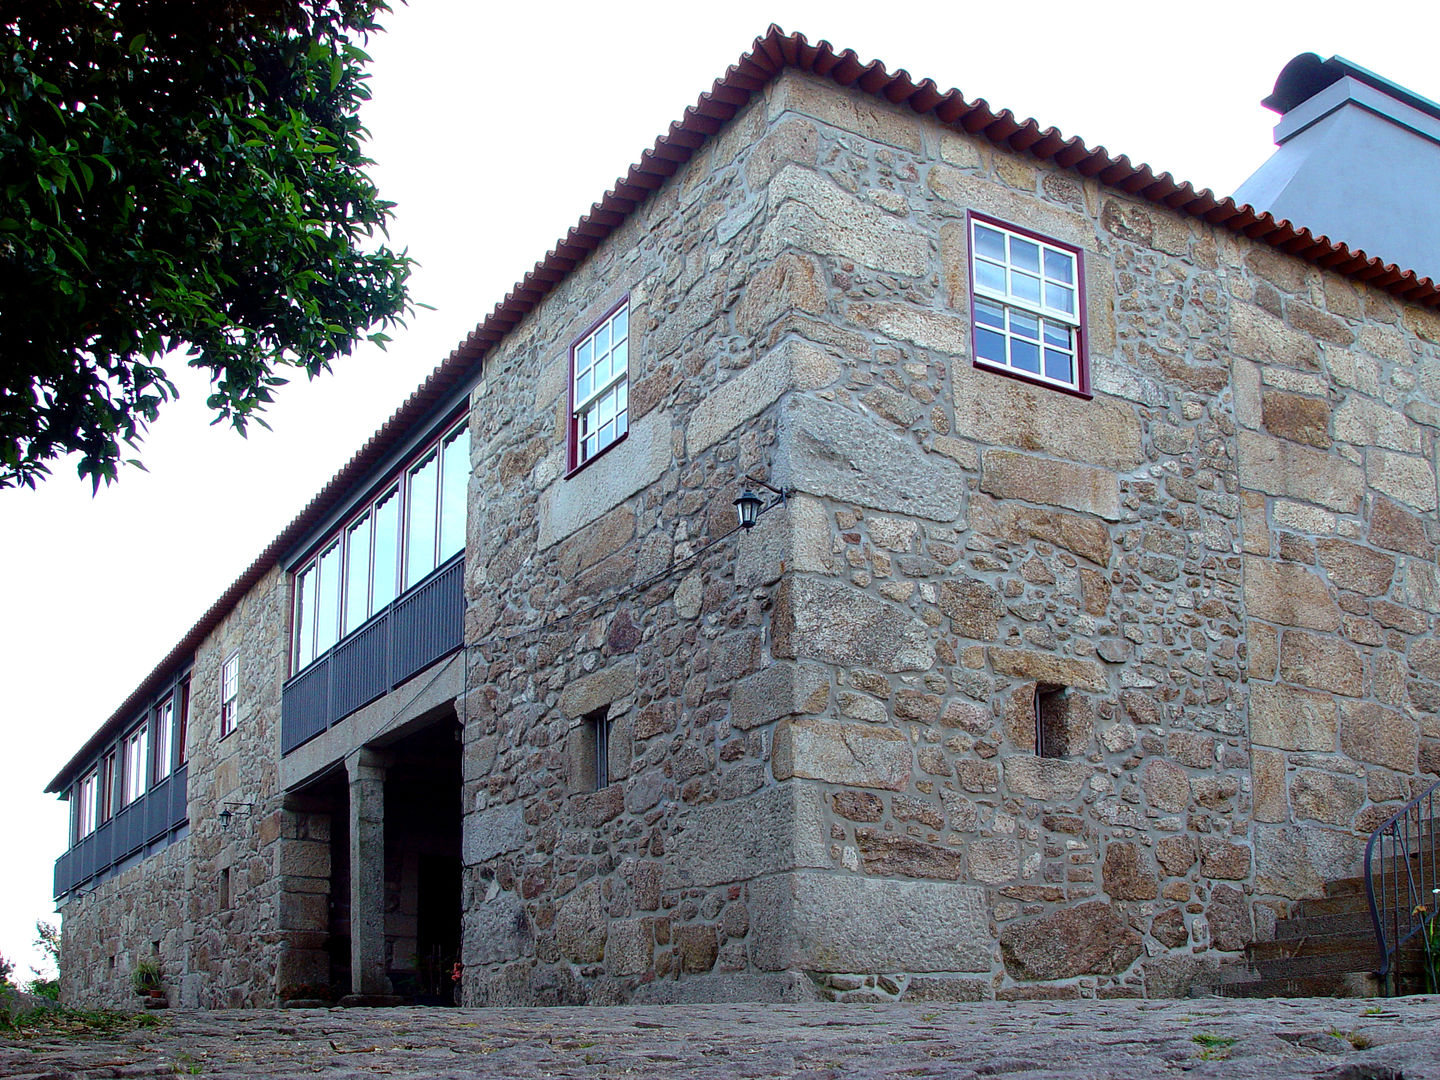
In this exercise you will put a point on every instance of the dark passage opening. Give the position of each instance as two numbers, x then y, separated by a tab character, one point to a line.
422	864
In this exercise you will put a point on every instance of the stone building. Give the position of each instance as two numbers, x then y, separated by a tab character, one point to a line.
1094	627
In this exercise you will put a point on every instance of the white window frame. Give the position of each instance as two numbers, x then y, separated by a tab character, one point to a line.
590	435
229	692
87	804
135	764
164	740
1017	312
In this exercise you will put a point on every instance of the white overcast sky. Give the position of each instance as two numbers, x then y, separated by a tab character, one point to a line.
493	130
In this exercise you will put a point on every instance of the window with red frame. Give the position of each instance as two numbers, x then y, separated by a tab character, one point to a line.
1028	318
600	386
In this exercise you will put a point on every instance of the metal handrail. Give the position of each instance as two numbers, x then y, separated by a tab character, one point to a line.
1402	884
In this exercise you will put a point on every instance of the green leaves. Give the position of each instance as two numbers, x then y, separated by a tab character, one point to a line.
179	178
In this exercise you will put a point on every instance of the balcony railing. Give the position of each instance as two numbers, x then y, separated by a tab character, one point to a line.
412	633
150	818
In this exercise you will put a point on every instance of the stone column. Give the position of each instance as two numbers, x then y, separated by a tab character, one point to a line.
366	769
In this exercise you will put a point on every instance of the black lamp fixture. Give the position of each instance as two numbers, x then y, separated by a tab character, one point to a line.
750	506
226	815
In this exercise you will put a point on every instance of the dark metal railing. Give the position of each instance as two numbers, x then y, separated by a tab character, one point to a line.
402	639
151	818
1401	860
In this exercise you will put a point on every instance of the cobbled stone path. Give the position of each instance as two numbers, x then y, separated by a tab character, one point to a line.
1108	1040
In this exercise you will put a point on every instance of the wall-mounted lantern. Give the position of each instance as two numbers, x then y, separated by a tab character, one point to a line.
750	506
226	815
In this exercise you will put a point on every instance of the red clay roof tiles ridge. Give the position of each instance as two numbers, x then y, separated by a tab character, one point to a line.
770	53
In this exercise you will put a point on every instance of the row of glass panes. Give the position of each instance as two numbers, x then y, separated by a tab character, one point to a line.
1016	269
1017	339
372	559
130	765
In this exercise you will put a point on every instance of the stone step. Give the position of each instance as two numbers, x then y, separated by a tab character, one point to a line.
1324	906
1347	923
1344	946
1336	984
1353	886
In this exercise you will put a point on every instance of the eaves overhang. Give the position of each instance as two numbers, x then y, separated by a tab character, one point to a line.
770	54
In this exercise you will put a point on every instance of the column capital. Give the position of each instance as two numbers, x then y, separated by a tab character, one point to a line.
366	764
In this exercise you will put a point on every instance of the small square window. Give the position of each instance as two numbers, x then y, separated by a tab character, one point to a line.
600	387
1027	317
229	693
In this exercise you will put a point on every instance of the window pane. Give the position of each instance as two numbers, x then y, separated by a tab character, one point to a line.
357	573
989	345
990	276
184	723
1057	334
327	601
584	356
990	314
621	324
602	340
387	550
1025	355
1060	267
456	480
1057	366
582	387
622	397
1025	254
1025	287
164	736
990	243
1060	297
1027	326
305	617
420	523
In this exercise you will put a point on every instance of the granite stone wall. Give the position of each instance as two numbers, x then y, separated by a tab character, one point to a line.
1218	573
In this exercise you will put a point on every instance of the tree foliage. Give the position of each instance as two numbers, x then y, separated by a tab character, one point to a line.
180	179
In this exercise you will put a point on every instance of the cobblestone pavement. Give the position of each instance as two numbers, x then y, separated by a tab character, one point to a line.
1347	1039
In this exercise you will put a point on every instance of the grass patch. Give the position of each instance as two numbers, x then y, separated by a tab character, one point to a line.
1213	1047
74	1023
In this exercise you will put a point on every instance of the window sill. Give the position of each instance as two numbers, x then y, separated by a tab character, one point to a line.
591	461
1033	380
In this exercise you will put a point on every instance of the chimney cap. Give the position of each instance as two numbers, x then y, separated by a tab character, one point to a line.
1306	75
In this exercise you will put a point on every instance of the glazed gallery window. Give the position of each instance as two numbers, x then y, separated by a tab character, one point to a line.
86	805
229	693
164	738
600	386
397	538
136	762
1027	305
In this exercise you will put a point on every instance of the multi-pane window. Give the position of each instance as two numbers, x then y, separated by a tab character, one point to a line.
136	747
1027	305
229	693
414	525
164	738
600	386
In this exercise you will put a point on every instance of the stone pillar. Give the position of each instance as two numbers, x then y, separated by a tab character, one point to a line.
366	769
